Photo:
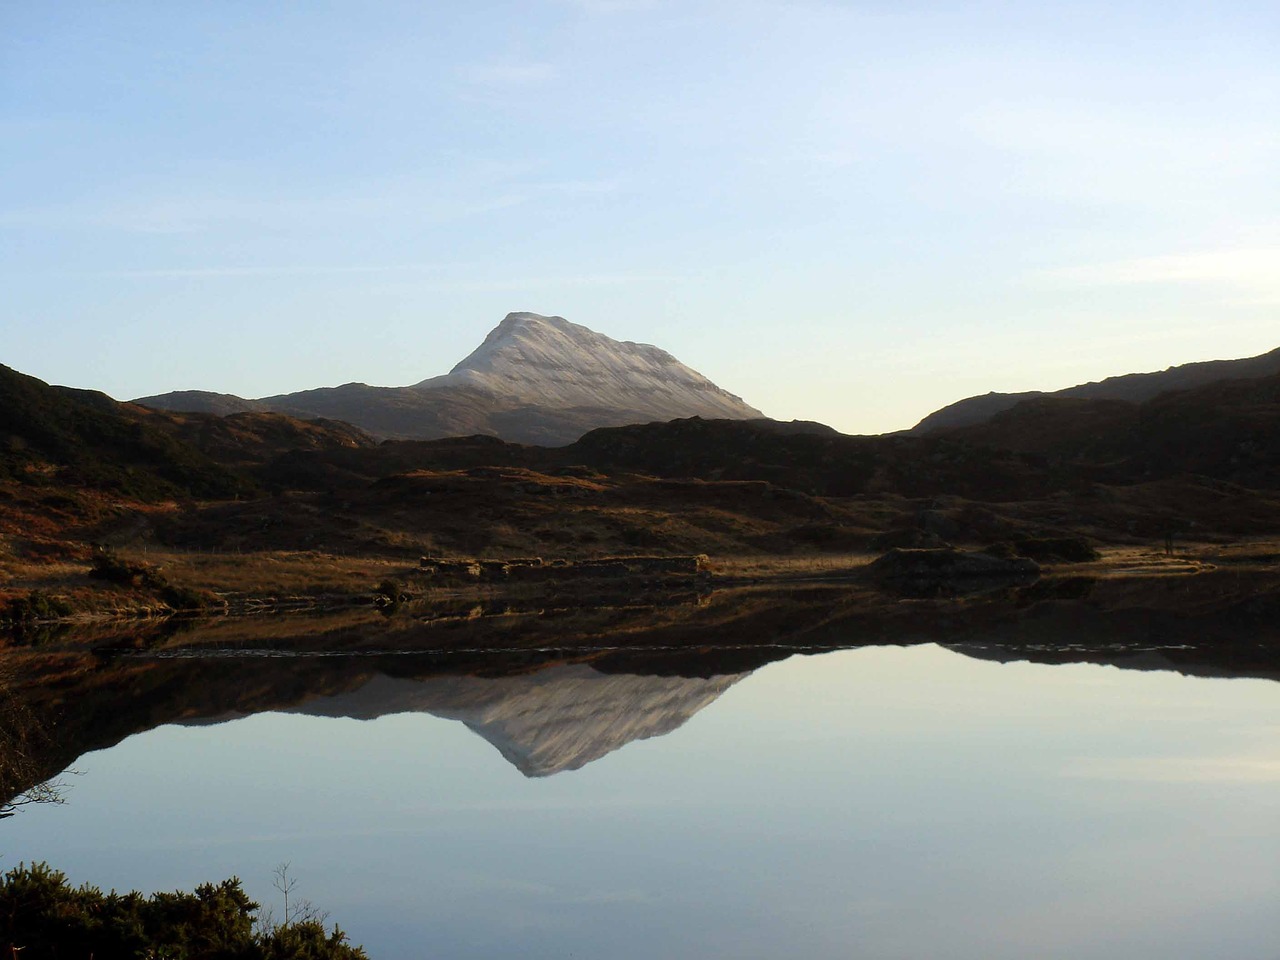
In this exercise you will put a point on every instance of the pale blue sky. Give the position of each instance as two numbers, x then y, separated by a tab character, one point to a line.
850	212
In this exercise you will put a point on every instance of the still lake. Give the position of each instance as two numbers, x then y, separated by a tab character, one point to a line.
882	802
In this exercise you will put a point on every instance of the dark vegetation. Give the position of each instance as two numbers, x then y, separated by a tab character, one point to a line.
78	439
109	567
37	606
43	917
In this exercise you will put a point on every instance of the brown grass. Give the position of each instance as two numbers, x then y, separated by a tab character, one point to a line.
304	573
793	566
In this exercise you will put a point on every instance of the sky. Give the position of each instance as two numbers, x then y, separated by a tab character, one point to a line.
853	212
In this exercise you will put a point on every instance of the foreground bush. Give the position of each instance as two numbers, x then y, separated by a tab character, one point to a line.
114	569
42	917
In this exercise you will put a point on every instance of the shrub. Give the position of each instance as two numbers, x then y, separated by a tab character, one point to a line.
36	606
41	915
114	569
307	940
184	598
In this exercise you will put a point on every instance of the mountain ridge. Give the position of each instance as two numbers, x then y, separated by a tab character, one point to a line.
534	379
1131	387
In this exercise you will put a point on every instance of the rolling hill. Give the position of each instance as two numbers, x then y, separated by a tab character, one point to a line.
1133	387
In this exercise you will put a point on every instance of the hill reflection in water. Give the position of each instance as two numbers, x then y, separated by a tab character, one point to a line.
726	784
554	688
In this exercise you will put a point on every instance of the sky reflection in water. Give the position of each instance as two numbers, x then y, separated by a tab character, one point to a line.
883	802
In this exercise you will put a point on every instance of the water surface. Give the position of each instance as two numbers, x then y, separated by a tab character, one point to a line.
883	802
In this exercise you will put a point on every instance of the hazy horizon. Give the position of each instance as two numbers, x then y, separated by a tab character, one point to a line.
847	212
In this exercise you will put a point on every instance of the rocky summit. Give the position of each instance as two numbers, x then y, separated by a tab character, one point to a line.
534	379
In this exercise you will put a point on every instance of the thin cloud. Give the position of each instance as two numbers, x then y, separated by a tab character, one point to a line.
1252	274
271	271
476	192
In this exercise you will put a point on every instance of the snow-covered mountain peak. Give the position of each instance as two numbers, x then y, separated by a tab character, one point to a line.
549	361
534	328
530	338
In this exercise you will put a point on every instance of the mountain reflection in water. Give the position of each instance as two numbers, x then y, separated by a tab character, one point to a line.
884	801
557	719
554	688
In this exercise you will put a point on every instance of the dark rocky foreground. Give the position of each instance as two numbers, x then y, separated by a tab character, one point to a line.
79	468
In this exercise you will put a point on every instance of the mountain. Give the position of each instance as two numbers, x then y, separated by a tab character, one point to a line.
534	379
550	362
557	719
1133	387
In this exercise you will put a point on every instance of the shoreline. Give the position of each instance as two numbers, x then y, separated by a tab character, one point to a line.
368	582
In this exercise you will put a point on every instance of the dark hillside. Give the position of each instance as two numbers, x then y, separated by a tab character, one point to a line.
1043	446
202	401
246	440
1133	387
1206	459
335	468
828	465
835	465
49	435
1229	430
1137	387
